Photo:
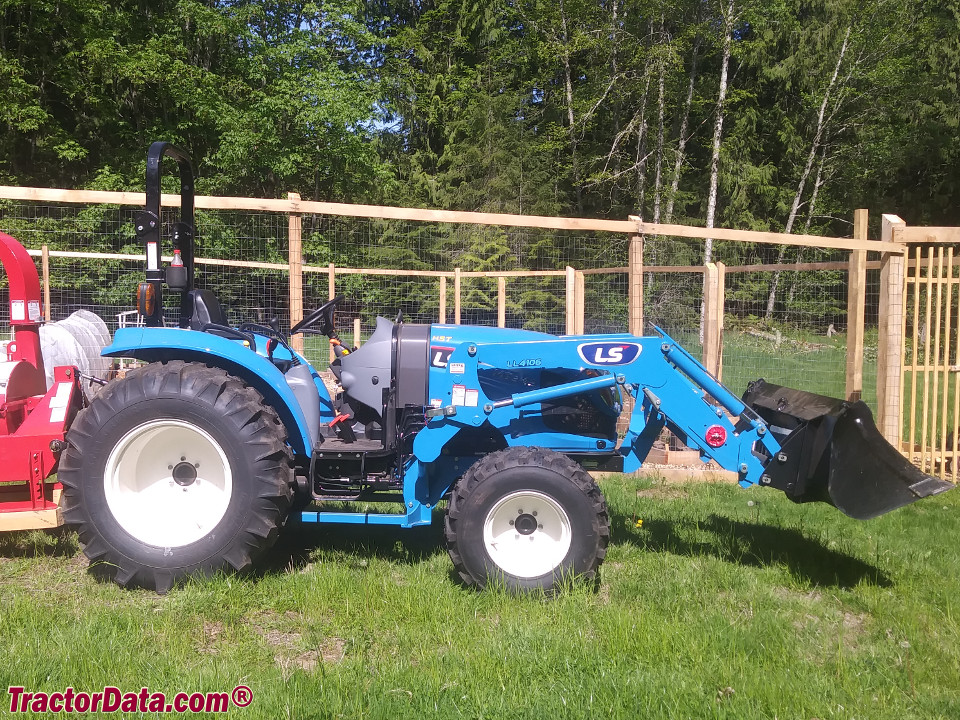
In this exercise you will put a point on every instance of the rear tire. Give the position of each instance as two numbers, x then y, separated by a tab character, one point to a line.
177	469
526	517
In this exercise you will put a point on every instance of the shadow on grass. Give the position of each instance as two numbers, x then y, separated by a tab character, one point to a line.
753	544
56	542
356	543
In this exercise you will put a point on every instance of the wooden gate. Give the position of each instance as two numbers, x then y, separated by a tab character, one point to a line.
931	360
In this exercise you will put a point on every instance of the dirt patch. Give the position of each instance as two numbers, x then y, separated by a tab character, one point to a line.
333	649
825	620
212	630
854	625
330	652
811	596
282	640
290	650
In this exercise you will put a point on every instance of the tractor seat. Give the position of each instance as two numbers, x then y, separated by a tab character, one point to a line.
200	308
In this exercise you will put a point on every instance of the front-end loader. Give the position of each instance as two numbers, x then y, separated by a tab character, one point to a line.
193	462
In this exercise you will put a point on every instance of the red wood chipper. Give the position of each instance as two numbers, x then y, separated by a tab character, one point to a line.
33	419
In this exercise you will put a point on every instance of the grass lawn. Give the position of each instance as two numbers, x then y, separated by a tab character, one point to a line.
725	603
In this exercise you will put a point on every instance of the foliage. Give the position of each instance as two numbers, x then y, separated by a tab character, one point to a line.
559	107
267	97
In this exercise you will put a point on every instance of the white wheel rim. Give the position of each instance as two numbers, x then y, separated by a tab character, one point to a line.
148	486
527	534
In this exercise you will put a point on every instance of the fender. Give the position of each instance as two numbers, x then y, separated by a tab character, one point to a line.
163	344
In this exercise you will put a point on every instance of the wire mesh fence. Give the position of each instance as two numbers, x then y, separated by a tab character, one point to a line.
432	271
790	326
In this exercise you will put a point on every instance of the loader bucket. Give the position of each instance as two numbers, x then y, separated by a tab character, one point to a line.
833	452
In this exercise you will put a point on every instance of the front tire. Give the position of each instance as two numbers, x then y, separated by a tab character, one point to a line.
177	469
526	517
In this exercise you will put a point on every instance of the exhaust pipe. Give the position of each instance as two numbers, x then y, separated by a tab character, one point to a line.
832	451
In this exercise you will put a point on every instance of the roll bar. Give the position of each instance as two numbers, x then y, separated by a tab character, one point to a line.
148	229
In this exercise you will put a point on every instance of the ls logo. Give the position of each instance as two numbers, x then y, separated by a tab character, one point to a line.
440	356
609	353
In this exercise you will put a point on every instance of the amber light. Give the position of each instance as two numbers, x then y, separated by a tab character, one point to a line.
146	299
716	436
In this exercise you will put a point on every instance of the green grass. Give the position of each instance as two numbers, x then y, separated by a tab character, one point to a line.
725	603
807	362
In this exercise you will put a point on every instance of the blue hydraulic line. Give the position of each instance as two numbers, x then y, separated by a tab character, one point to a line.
557	391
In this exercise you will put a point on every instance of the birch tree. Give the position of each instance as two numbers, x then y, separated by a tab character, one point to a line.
728	21
815	147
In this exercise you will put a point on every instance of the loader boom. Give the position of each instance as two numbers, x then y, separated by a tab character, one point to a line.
811	447
719	425
670	388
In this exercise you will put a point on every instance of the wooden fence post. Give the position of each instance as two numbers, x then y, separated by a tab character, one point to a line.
856	304
890	341
570	302
442	319
580	300
456	296
501	301
356	332
721	300
712	318
45	268
295	265
331	294
635	285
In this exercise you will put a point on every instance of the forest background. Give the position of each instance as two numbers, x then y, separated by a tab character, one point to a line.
779	115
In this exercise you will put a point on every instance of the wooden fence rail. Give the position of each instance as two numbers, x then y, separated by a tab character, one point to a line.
918	364
890	247
631	226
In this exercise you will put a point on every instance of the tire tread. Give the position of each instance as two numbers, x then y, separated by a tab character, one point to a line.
501	460
243	407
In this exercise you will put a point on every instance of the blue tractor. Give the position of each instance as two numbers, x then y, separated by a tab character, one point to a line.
192	463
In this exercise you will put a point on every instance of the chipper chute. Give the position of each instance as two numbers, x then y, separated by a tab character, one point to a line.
832	451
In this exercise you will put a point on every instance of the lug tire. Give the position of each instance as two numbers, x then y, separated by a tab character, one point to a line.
144	514
528	518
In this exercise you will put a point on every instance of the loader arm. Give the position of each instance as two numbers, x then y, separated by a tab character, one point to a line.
670	387
812	447
700	411
512	383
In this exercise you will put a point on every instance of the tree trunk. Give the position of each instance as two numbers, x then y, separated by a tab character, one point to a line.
568	82
715	156
682	139
817	184
660	114
718	130
811	156
641	159
614	64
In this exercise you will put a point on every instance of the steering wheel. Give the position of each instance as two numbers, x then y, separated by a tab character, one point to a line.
322	315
